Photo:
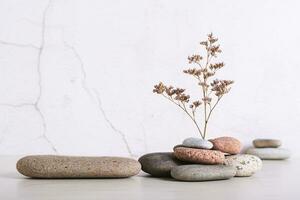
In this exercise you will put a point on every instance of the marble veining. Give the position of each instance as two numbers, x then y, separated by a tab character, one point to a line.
76	76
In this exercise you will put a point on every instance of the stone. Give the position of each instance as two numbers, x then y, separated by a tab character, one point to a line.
227	145
51	166
202	172
266	143
246	165
197	143
202	156
269	153
159	164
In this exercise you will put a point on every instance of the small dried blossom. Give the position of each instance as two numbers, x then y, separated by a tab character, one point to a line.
221	87
195	58
159	89
193	71
195	104
216	66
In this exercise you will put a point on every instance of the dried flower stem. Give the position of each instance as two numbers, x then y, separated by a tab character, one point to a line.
183	107
202	74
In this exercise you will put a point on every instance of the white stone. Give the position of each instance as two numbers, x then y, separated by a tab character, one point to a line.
246	165
197	143
270	153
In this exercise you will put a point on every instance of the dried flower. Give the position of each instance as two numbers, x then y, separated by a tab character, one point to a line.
194	58
203	73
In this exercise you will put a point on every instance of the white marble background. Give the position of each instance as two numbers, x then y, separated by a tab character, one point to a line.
76	77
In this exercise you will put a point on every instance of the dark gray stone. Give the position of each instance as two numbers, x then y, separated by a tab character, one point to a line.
159	164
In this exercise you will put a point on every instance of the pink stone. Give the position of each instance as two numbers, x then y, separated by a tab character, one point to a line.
227	145
202	156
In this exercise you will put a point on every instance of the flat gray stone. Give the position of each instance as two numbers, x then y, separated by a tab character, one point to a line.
194	142
202	172
266	143
159	164
269	153
51	166
246	165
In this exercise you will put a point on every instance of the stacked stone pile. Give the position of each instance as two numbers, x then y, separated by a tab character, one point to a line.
268	149
202	160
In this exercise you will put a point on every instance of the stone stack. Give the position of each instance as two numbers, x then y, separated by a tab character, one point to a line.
201	160
268	149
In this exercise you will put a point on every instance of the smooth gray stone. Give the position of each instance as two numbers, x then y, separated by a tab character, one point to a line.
246	165
269	153
202	172
197	143
266	143
159	164
52	166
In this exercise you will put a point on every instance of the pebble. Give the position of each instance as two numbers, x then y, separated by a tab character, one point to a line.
246	165
269	153
266	143
197	143
202	172
52	166
227	145
159	164
201	156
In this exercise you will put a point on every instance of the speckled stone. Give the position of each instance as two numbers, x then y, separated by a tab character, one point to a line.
266	143
246	165
159	164
202	172
197	143
201	156
269	153
227	145
51	166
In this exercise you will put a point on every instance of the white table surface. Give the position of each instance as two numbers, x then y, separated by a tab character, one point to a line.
277	180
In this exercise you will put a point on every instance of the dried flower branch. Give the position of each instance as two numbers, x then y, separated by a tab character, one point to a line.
212	90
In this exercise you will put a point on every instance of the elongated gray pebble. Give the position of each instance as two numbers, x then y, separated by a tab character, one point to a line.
269	153
202	172
51	166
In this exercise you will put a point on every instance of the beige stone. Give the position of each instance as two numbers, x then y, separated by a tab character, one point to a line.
266	143
51	166
227	145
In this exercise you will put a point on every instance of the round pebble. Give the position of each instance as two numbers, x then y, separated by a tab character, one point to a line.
197	143
227	145
246	165
159	164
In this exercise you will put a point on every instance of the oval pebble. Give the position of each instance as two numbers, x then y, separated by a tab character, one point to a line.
202	172
51	166
246	165
197	143
159	164
266	143
202	156
269	153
